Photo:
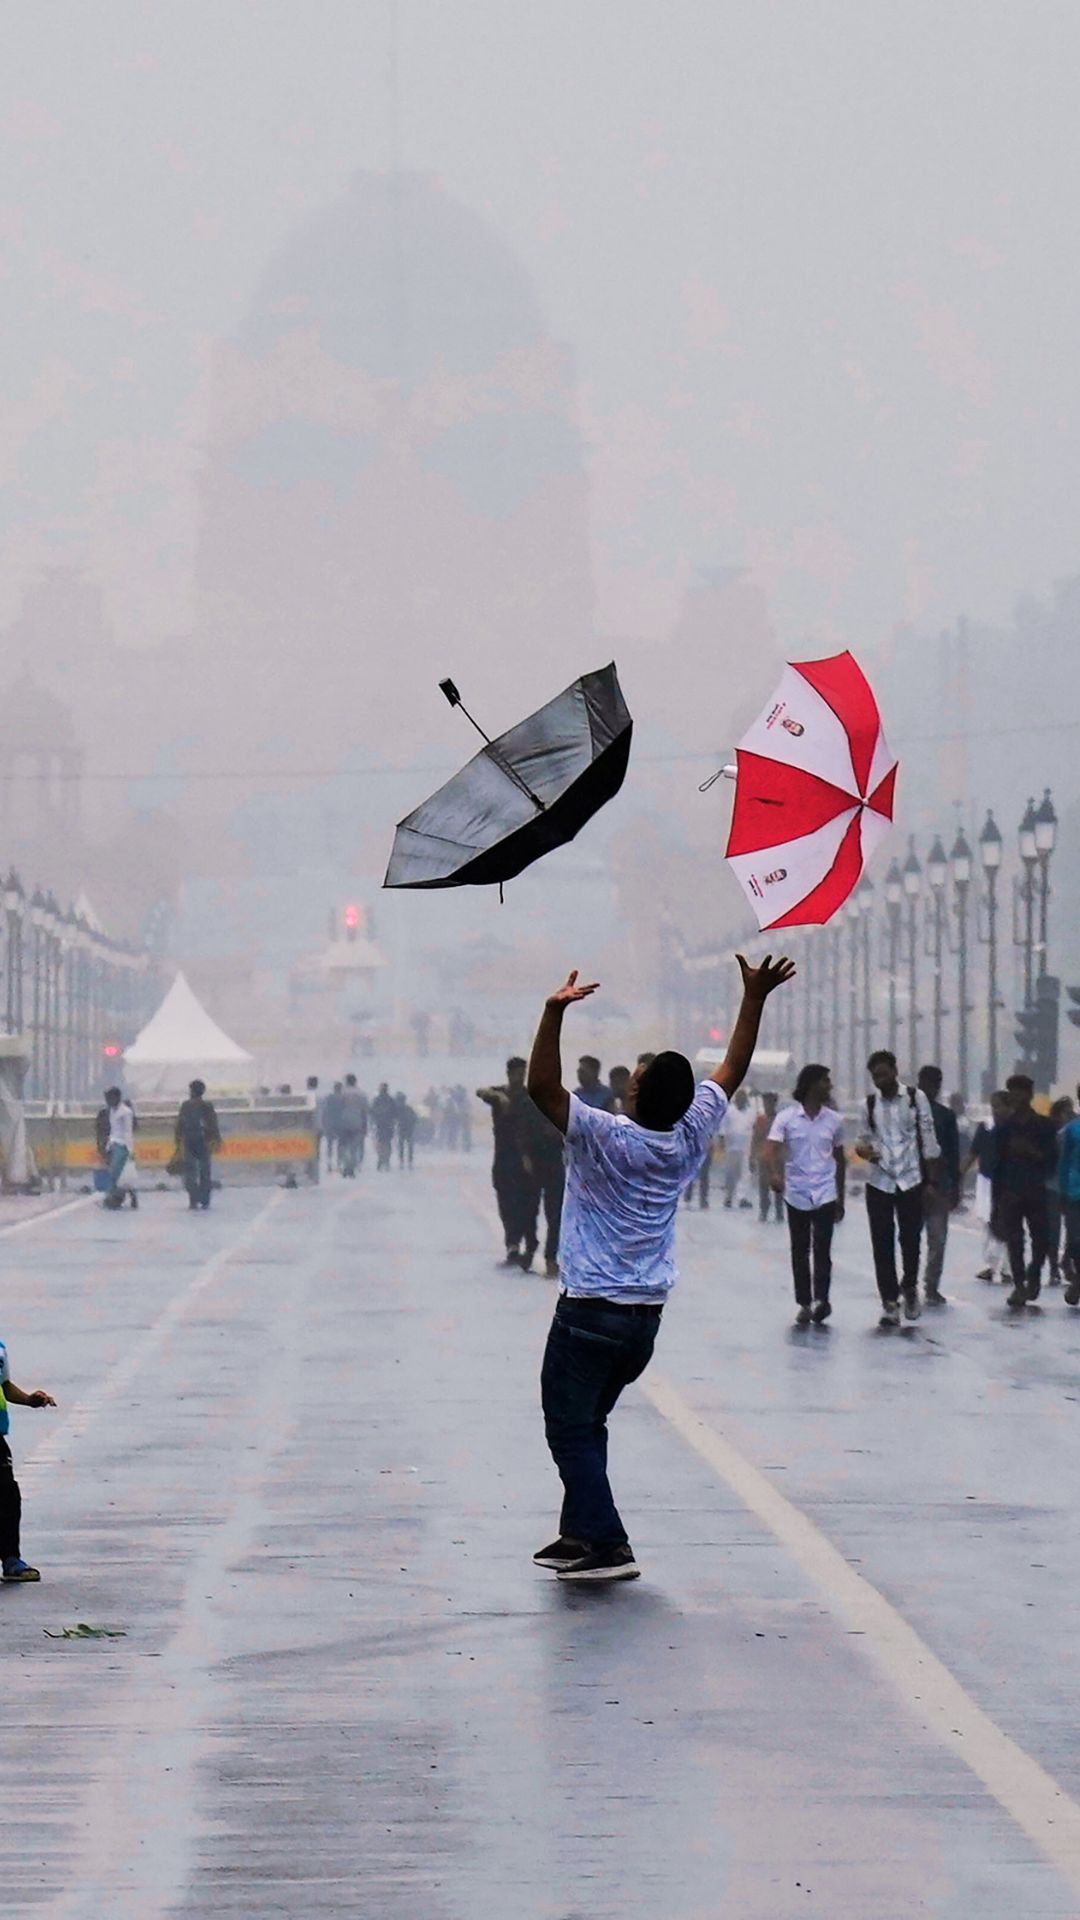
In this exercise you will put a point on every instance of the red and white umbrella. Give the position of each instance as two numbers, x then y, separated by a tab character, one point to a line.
813	794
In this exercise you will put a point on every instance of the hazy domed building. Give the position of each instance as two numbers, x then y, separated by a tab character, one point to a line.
394	487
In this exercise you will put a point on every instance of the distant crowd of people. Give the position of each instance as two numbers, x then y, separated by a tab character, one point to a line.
344	1119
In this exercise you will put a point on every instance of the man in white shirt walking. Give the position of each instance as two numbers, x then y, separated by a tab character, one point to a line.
121	1141
805	1159
902	1149
625	1174
737	1128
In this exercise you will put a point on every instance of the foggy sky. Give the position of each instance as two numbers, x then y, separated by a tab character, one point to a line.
815	262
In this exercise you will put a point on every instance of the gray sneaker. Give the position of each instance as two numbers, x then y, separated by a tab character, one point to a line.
802	1317
890	1314
912	1308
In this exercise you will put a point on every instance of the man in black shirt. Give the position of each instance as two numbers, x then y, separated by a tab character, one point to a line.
197	1137
1026	1156
514	1187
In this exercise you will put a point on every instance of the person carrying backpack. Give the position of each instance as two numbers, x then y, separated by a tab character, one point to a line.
901	1148
197	1137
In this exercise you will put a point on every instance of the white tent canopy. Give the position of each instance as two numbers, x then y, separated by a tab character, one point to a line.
181	1043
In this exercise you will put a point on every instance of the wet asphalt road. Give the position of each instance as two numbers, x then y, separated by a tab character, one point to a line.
298	1462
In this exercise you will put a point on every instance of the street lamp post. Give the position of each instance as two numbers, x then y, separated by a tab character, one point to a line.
961	862
1046	823
990	852
13	902
865	899
37	922
937	872
1024	900
894	894
851	915
912	877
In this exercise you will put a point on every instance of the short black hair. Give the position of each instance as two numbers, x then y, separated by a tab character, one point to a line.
665	1092
516	1061
809	1077
881	1058
589	1060
113	1093
1019	1083
645	1059
931	1073
197	1089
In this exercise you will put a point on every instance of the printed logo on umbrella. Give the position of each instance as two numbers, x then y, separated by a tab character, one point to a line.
813	796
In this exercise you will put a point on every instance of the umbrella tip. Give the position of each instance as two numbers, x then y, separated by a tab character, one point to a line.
451	693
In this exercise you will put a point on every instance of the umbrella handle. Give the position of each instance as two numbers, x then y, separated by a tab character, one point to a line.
448	689
722	773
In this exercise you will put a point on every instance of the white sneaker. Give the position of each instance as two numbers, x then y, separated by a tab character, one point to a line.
890	1314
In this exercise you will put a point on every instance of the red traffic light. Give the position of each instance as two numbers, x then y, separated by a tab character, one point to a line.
111	1052
716	1033
352	919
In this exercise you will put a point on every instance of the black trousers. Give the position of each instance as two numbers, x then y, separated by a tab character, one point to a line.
10	1506
811	1230
517	1200
890	1215
1015	1211
549	1186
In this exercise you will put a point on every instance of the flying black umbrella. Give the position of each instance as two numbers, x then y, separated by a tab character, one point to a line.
528	791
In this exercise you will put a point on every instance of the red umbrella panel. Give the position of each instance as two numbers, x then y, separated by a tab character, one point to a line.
813	794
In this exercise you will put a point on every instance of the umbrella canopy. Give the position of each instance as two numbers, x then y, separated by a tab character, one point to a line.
813	794
530	790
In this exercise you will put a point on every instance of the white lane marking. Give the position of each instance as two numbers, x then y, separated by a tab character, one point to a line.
48	1213
1028	1794
74	1424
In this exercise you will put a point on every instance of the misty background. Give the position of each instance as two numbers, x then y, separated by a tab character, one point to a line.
350	346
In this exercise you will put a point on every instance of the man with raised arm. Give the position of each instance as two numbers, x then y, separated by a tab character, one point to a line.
625	1174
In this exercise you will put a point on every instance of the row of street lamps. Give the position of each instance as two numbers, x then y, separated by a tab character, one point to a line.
943	910
74	994
927	917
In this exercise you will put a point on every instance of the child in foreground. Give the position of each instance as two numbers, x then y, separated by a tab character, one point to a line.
14	1567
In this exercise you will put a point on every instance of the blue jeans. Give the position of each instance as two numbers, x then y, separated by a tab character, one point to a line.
118	1159
593	1351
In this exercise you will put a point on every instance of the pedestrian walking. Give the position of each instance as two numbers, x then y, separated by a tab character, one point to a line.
983	1157
384	1121
900	1146
591	1089
1069	1188
319	1107
1057	1249
618	1081
735	1133
769	1195
544	1159
514	1191
625	1174
1027	1156
804	1162
198	1137
119	1143
405	1131
352	1126
12	1565
941	1197
331	1125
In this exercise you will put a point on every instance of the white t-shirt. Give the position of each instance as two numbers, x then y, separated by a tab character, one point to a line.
811	1141
122	1126
738	1126
623	1187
